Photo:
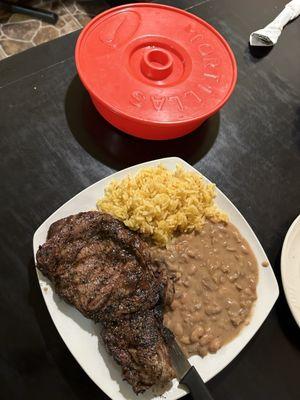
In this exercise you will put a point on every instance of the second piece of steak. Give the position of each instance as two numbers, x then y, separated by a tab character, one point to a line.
105	271
137	343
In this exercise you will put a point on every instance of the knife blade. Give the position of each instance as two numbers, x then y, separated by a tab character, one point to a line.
180	363
185	372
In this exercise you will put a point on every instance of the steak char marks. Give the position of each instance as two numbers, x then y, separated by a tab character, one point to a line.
105	271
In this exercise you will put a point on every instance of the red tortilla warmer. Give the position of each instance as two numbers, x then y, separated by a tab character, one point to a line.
154	71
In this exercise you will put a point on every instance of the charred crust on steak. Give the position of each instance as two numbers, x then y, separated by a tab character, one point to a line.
106	271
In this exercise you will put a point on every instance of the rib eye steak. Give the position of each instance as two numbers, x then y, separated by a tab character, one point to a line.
105	271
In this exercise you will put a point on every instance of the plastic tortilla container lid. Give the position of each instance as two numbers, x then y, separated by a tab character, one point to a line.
155	67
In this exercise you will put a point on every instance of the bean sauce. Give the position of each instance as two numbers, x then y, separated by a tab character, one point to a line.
215	287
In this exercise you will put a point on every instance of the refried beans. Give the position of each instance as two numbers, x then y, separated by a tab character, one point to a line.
215	286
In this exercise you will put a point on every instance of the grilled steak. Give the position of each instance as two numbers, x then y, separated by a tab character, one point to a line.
137	343
106	272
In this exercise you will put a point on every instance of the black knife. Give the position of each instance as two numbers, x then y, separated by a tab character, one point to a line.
186	374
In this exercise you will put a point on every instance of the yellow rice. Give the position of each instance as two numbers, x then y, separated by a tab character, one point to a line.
158	202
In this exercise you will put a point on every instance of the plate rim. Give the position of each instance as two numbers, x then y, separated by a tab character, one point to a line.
275	292
284	270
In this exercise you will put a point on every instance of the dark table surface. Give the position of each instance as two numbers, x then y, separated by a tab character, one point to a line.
54	144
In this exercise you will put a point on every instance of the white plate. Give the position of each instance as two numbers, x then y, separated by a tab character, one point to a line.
290	268
81	335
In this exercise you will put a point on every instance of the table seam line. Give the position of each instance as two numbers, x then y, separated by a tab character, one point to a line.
36	72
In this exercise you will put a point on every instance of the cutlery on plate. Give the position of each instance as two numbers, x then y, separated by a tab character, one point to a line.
185	372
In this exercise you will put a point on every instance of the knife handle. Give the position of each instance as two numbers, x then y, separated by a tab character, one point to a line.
196	385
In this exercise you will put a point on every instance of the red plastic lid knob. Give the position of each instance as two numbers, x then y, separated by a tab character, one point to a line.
157	64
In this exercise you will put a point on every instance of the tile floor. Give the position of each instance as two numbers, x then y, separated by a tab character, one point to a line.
19	32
